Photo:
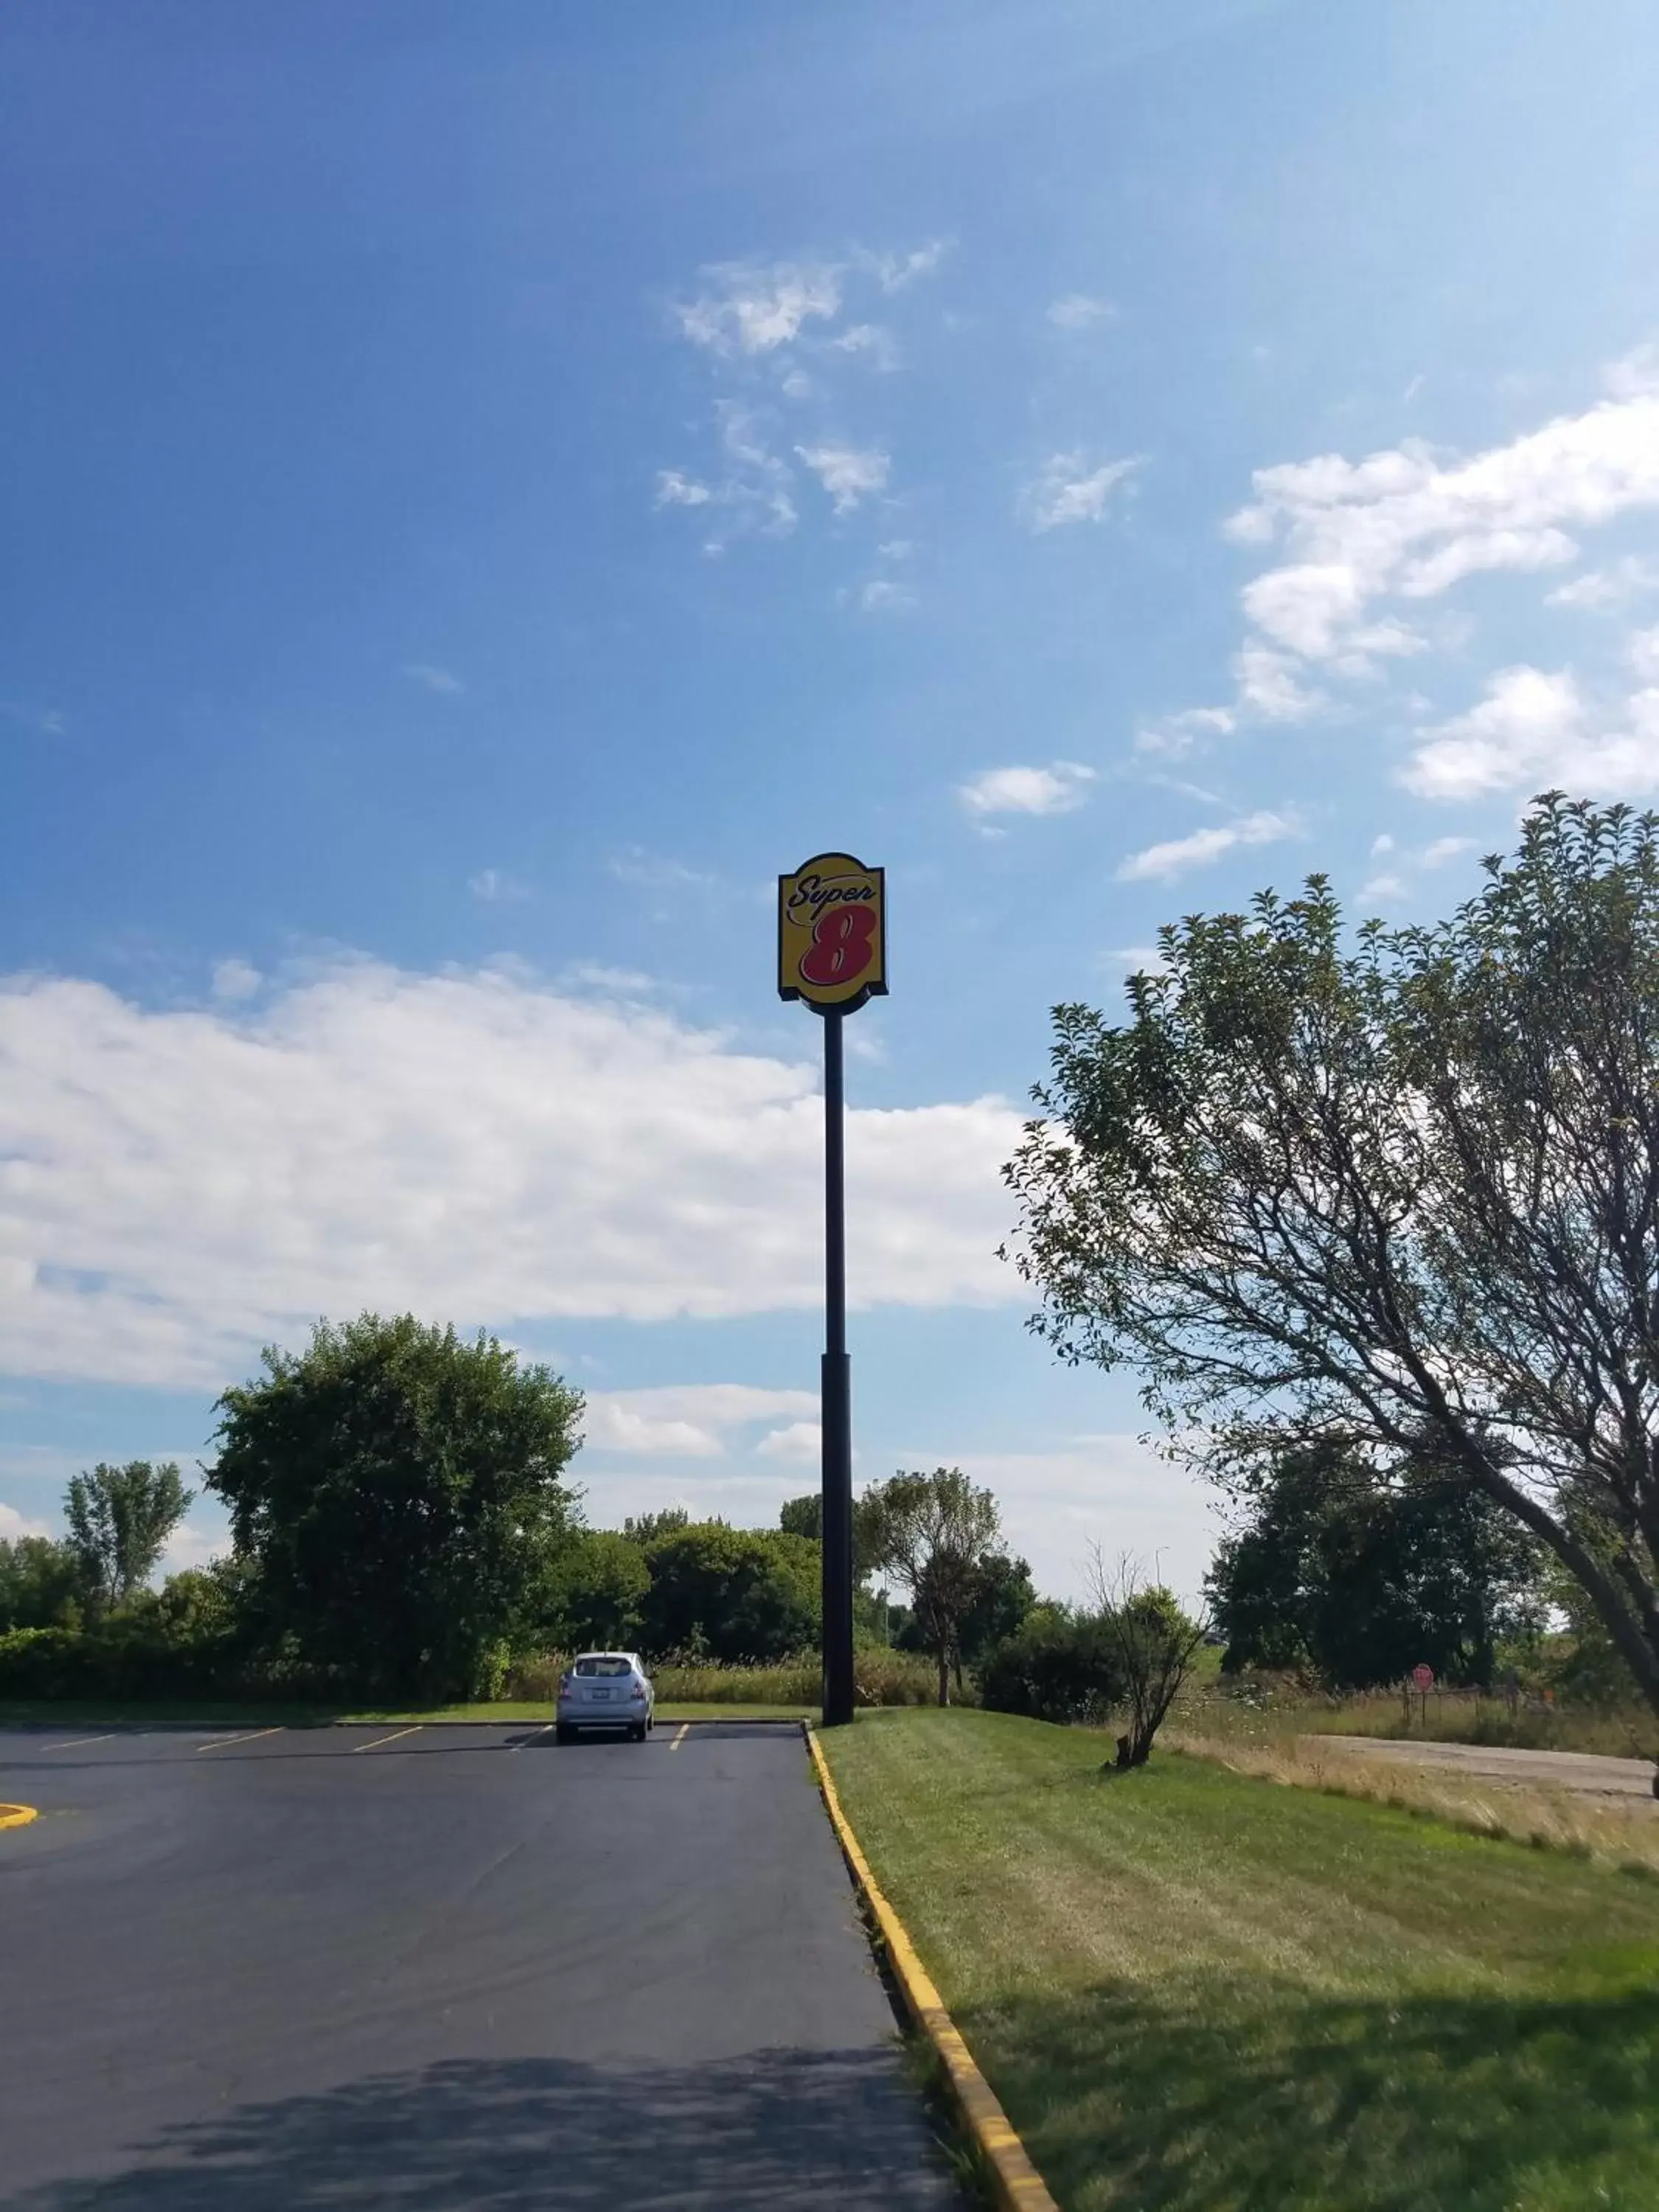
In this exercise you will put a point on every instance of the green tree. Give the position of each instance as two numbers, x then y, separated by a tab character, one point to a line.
598	1592
647	1528
1404	1188
803	1517
934	1534
399	1495
1153	1642
43	1584
733	1593
1359	1572
119	1520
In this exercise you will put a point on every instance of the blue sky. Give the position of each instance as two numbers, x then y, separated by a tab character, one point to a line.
485	489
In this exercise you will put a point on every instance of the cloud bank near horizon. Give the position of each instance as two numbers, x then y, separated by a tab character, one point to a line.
181	1185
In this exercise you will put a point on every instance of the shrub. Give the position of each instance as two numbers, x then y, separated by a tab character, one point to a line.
1062	1667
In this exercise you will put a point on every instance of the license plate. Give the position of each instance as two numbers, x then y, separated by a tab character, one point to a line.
601	1694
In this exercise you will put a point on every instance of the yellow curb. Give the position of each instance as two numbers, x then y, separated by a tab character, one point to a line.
1017	2186
16	1816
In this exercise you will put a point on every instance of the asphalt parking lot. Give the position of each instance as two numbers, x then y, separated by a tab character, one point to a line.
449	1967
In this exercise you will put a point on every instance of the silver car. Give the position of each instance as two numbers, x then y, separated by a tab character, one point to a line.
605	1690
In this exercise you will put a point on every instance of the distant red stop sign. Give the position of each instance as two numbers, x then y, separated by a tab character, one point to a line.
1423	1677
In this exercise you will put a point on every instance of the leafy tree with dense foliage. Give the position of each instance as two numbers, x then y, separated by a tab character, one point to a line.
119	1520
43	1584
598	1592
935	1534
803	1517
1000	1596
1358	1573
732	1594
1402	1189
399	1495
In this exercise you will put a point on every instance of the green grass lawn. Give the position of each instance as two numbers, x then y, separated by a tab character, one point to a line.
1191	1989
64	1713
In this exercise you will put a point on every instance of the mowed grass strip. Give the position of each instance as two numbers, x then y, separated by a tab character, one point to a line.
39	1712
1192	1989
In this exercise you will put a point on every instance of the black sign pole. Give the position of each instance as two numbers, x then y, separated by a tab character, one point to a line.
837	1416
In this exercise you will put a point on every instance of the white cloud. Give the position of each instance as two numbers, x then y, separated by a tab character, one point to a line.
1066	489
1180	853
675	488
1535	728
1270	686
894	271
14	1524
1180	732
882	596
896	549
1080	311
1111	1490
190	1545
1411	523
434	678
1381	844
1380	889
685	1420
236	979
496	888
1641	650
749	308
754	494
654	872
1446	848
1636	374
1055	789
1602	588
870	339
800	1444
847	475
179	1186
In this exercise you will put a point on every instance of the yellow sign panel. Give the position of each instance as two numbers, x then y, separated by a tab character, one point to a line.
832	934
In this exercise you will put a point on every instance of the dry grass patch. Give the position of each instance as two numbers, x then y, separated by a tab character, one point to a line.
1523	1811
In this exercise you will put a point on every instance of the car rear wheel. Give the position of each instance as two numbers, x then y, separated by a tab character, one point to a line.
638	1731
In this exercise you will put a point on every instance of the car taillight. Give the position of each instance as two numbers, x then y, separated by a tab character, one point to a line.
564	1682
638	1693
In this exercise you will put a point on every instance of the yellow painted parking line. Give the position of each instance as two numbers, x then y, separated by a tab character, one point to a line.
17	1816
395	1737
224	1742
74	1742
685	1730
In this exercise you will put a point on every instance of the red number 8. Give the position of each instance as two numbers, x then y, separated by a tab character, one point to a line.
842	946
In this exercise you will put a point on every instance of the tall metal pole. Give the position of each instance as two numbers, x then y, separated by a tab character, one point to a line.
837	1414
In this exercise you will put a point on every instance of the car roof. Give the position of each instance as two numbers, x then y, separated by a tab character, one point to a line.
632	1656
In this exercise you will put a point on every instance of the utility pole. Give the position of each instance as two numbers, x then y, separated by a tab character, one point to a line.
832	954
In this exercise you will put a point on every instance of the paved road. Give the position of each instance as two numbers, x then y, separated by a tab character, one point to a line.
459	1968
1580	1772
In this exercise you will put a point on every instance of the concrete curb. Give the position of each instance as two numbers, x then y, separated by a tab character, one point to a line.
1015	2183
17	1816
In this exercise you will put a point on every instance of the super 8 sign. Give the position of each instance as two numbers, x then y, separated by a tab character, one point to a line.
832	934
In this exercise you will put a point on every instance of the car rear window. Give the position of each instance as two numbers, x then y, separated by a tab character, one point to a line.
604	1666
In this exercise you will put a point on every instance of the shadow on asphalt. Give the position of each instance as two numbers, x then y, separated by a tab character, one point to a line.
783	2130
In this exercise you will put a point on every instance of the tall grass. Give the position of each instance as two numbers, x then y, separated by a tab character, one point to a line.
1263	1709
881	1678
1608	1829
